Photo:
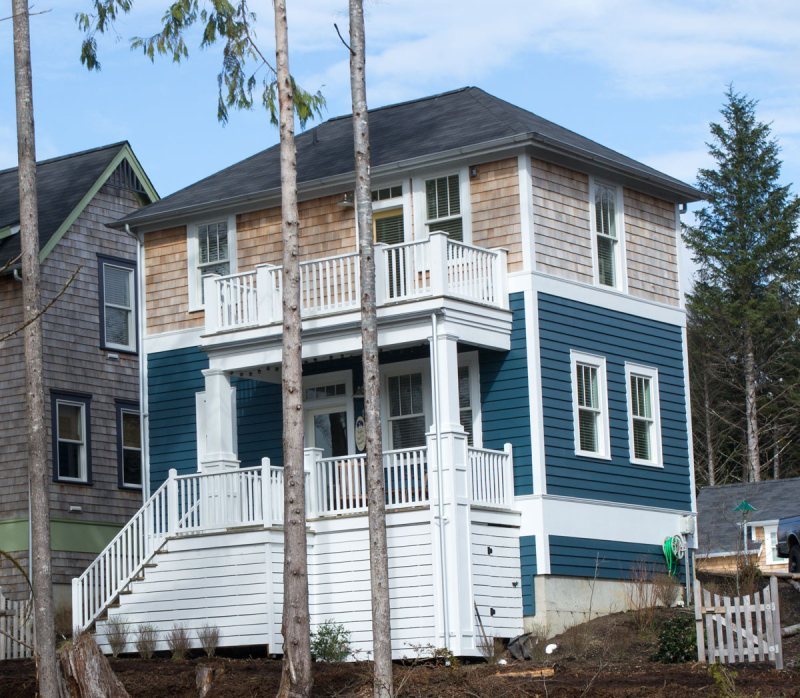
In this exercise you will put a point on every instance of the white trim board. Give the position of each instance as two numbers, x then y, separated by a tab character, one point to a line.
176	339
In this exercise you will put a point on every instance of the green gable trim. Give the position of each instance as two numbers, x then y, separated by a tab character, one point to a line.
125	153
8	231
65	536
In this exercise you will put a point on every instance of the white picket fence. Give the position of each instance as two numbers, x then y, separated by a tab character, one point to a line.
16	628
739	628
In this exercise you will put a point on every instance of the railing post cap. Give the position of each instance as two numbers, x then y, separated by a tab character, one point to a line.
172	473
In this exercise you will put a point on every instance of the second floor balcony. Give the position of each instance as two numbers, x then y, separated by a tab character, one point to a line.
416	277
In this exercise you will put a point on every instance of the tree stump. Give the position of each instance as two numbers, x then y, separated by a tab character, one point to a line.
87	673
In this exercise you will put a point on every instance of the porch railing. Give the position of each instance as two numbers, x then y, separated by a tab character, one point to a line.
437	266
492	476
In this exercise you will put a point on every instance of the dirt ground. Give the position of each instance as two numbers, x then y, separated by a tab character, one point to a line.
609	656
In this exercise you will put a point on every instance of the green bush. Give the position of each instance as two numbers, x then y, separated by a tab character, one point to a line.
677	641
330	642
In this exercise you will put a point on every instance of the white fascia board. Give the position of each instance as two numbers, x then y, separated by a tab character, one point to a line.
176	339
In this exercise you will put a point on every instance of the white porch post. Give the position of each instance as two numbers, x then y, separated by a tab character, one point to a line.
220	423
310	458
450	498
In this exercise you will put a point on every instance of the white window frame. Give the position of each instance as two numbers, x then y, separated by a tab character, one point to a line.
342	403
122	410
769	558
655	433
620	266
603	436
470	360
84	443
421	208
193	255
402	202
131	269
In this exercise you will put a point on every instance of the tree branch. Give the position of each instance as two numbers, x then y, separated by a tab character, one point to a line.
347	46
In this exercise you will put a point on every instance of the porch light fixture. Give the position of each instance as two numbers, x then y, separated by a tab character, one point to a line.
347	200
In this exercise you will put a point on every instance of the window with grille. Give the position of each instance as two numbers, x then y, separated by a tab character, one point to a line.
71	445
212	250
443	206
465	403
643	427
388	225
406	411
607	235
129	446
118	305
590	405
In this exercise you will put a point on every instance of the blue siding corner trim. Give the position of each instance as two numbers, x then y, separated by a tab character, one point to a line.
259	421
565	324
505	408
527	565
173	378
580	557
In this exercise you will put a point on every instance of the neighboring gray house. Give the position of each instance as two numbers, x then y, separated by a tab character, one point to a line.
720	536
91	362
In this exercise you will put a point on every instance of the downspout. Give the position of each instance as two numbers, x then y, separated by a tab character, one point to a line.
144	431
440	481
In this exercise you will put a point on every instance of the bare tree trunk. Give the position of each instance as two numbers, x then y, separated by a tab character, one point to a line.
776	460
376	496
710	456
38	480
751	410
296	679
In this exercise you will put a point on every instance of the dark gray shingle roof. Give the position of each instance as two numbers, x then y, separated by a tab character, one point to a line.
718	523
421	128
61	183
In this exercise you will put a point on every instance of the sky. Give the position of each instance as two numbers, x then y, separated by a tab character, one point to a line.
644	77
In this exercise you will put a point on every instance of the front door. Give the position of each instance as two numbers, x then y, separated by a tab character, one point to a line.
326	428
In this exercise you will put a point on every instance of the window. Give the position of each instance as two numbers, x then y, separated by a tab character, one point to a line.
607	230
406	411
465	402
71	442
129	445
212	250
590	405
443	206
388	224
644	432
117	304
771	546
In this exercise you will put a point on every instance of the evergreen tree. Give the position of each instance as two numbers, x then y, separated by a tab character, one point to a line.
746	244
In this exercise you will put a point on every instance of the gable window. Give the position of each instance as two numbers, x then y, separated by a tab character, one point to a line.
388	224
443	206
117	304
644	431
129	445
71	442
590	405
607	231
212	250
406	411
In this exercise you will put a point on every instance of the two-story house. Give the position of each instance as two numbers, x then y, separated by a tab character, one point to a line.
90	359
534	383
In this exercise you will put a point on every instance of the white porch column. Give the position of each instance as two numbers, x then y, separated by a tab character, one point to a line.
450	498
220	423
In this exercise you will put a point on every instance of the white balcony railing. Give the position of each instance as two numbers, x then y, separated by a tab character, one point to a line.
434	267
492	476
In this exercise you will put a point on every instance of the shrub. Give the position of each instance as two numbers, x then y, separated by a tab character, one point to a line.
209	639
330	642
146	641
642	596
117	635
667	589
178	642
677	641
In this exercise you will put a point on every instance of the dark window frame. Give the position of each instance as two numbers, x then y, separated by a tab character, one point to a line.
102	260
120	407
86	401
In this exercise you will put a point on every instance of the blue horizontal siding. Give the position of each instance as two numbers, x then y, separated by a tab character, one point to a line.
527	564
564	325
505	406
173	378
259	421
603	559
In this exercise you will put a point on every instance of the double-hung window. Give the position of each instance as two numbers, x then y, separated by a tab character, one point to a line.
387	215
590	405
644	429
129	445
212	250
117	304
406	411
71	442
443	206
607	232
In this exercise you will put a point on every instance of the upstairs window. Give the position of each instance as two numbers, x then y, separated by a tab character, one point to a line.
443	206
406	411
129	446
71	445
117	305
388	223
590	405
212	250
644	431
607	231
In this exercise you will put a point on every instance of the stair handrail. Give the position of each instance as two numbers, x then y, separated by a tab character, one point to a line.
122	559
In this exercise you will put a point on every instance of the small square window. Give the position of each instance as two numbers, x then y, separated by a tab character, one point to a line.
71	439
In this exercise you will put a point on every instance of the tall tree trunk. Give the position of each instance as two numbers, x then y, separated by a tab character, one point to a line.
296	679
38	480
710	456
751	409
376	496
776	460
